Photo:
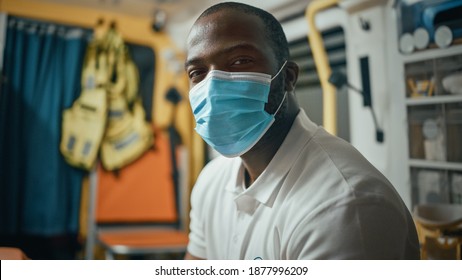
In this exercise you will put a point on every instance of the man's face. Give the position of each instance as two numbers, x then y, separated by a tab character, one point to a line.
228	41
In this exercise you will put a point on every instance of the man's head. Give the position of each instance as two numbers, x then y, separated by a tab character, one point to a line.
273	31
235	37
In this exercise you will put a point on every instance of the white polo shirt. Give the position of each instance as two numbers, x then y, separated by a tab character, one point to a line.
319	198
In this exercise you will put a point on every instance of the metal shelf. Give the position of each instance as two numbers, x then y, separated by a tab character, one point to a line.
421	163
431	54
441	99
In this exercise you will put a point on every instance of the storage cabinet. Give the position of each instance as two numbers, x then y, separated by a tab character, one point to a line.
434	119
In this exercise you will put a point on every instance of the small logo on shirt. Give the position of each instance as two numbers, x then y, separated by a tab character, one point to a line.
258	259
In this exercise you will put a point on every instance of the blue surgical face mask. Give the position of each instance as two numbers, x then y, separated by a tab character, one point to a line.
229	108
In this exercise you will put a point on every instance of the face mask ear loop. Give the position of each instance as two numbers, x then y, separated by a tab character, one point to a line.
280	105
280	70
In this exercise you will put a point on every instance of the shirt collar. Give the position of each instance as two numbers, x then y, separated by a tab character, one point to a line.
264	190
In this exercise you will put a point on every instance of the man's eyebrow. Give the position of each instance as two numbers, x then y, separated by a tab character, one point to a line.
241	45
229	49
191	62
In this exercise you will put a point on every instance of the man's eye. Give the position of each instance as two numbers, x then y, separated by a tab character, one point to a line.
241	61
195	73
196	76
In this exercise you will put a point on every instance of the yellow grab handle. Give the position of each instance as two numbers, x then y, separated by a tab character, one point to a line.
322	64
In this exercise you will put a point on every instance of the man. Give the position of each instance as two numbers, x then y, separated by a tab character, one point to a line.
285	188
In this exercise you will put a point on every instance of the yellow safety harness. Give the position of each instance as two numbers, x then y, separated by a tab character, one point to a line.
108	117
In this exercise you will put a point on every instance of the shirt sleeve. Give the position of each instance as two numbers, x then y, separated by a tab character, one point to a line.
356	230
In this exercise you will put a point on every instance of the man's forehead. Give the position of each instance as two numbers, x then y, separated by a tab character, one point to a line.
225	23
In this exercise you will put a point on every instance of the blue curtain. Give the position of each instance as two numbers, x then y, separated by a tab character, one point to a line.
39	192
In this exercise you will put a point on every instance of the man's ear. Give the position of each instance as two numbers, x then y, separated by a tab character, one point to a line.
291	76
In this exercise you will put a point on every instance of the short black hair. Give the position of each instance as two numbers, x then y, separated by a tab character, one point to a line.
273	29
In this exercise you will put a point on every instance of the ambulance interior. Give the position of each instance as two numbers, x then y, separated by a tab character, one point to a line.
385	75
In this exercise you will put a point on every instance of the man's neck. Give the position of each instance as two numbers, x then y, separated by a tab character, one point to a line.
258	158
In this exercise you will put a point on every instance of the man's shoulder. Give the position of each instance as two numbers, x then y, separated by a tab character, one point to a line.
329	171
